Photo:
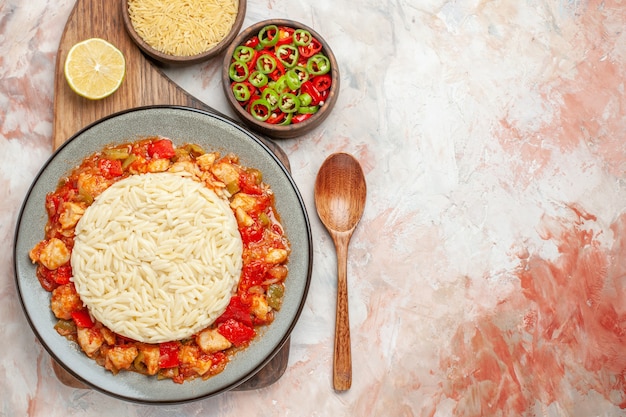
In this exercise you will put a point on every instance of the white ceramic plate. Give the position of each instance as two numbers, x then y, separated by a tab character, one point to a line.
182	125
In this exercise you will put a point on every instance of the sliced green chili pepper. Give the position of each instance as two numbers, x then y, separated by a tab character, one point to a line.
241	91
308	109
266	63
288	103
260	109
287	120
305	99
258	79
268	36
293	80
303	74
302	37
288	55
318	64
280	85
238	71
271	96
243	53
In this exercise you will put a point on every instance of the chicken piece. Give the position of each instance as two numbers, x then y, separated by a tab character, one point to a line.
70	214
193	358
276	256
64	301
89	339
243	218
119	357
108	335
225	172
150	357
205	161
158	165
50	253
211	341
259	307
185	166
244	201
91	185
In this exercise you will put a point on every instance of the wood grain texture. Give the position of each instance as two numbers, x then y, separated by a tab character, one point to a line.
144	85
340	194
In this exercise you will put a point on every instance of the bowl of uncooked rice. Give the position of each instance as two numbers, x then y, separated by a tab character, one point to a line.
183	32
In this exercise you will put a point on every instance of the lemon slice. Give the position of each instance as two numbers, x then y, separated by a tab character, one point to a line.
94	68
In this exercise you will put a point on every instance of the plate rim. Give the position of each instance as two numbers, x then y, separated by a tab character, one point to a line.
285	337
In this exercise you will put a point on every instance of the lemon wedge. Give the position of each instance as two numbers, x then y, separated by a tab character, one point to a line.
94	68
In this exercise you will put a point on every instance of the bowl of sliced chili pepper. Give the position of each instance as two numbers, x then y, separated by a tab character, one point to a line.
281	78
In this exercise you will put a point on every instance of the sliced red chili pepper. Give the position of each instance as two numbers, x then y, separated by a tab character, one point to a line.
161	149
237	333
82	318
300	117
168	354
309	88
311	49
322	82
253	42
278	72
276	118
110	168
285	35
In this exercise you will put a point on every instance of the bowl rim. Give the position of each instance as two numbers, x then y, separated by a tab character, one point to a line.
96	373
176	60
277	131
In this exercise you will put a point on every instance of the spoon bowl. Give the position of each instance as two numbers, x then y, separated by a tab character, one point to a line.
340	193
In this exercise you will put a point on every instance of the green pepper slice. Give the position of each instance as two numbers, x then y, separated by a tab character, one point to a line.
241	91
268	36
258	79
318	64
288	55
308	109
238	71
305	99
266	63
293	80
287	120
302	37
271	96
288	103
260	109
243	53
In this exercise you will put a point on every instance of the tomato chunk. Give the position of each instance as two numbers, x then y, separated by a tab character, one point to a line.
162	148
236	332
168	354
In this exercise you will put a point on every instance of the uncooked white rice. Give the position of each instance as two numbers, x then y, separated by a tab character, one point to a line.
157	257
183	27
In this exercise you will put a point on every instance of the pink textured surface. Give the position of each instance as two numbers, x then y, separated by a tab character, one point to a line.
487	274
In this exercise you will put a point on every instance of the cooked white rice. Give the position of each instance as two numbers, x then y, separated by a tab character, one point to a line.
157	257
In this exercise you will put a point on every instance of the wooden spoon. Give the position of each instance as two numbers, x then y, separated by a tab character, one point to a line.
340	192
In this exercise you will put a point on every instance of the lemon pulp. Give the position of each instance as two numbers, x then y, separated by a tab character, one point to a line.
94	68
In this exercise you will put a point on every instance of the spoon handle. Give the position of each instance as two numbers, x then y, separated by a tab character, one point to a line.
342	360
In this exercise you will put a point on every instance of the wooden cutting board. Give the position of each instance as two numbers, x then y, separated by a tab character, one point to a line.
145	84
